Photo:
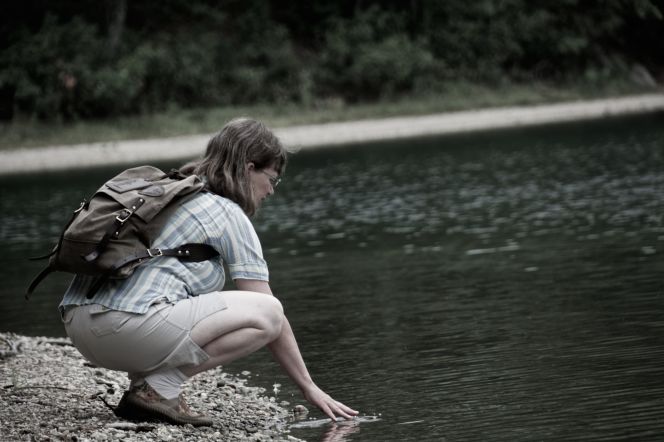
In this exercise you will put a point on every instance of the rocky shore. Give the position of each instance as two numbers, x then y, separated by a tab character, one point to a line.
49	392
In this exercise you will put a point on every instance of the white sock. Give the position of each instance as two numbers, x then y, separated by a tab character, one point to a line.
135	380
168	383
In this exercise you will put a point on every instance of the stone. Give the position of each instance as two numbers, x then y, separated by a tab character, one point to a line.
62	402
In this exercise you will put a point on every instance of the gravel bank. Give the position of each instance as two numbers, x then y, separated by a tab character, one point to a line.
48	392
319	135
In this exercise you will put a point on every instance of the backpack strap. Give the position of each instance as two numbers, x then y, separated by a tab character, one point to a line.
175	174
38	279
83	205
49	269
113	230
193	252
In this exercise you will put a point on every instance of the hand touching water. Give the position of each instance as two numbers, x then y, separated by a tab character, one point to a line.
327	405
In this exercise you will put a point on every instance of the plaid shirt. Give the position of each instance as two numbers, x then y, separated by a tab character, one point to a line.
207	218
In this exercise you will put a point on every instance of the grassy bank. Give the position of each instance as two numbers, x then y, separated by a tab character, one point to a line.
461	96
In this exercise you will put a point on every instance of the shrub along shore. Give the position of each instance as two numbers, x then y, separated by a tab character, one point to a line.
79	61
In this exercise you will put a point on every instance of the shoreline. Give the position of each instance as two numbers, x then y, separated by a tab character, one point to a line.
50	392
54	158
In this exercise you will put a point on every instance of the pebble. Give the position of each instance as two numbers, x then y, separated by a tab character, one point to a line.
54	385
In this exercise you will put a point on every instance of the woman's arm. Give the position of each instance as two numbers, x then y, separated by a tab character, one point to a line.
287	353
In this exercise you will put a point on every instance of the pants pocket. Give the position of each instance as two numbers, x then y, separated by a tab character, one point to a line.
111	321
67	314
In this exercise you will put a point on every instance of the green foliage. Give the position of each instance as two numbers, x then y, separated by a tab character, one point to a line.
45	69
371	56
171	70
267	70
68	60
491	39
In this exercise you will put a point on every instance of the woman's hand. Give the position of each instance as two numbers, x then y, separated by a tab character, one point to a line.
327	405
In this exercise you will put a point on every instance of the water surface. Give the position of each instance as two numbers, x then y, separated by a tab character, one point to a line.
497	286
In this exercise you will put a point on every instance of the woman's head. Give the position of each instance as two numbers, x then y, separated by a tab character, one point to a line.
241	163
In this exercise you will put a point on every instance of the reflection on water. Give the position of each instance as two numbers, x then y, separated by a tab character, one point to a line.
340	426
500	286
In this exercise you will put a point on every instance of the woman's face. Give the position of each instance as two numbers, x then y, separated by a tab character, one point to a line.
262	181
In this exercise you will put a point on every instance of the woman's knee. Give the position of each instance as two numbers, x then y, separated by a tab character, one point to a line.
245	310
272	316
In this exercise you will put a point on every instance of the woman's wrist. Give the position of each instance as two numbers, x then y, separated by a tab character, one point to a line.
307	387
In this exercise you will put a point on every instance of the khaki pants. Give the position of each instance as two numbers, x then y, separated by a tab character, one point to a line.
141	344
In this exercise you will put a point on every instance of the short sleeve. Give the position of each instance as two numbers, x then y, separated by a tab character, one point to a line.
241	249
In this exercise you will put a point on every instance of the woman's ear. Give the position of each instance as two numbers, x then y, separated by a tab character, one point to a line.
250	166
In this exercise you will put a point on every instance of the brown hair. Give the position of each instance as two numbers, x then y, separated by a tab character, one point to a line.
240	141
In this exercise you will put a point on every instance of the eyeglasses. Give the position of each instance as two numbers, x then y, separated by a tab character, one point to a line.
274	180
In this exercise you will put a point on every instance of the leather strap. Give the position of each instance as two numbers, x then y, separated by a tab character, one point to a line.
35	282
83	206
193	252
114	230
48	270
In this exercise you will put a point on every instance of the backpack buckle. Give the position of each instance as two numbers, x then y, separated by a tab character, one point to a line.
82	206
154	252
124	216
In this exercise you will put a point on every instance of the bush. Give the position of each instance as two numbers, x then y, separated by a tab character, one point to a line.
170	70
371	56
107	91
45	70
264	68
205	53
489	40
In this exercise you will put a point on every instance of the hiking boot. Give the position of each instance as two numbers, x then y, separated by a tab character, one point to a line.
175	411
130	412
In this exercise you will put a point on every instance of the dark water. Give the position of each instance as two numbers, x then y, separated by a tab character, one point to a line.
497	286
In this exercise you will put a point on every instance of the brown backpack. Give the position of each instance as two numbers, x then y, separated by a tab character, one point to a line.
112	233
